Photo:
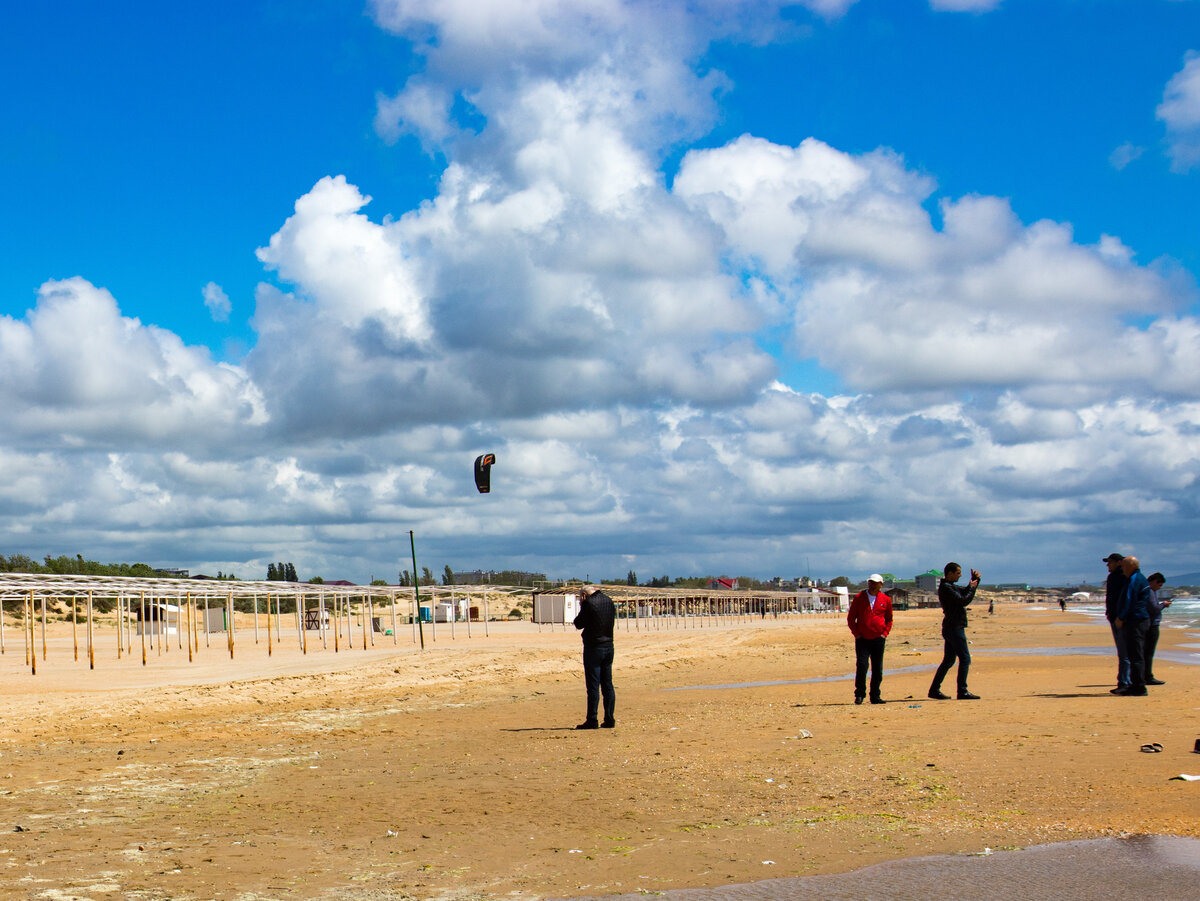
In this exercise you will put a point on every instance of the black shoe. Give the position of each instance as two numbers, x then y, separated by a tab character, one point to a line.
1134	692
608	724
878	701
588	724
967	696
857	699
936	695
1153	681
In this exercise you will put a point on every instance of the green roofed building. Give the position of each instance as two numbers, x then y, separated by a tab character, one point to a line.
928	581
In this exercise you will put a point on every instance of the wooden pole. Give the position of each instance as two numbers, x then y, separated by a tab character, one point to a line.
142	620
91	644
229	623
207	641
1	625
120	633
302	612
187	615
256	618
75	625
27	628
269	641
337	624
395	627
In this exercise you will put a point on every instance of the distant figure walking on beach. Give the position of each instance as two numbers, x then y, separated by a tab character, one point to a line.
1114	596
870	621
1157	581
1133	619
954	601
597	616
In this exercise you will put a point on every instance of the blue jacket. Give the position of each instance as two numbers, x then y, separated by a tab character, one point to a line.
1137	600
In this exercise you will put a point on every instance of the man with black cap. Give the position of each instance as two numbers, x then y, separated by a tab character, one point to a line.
1114	597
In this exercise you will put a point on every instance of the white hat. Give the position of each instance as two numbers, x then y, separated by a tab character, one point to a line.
875	577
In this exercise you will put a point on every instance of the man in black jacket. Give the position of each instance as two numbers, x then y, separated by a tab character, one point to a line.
597	616
954	601
1114	596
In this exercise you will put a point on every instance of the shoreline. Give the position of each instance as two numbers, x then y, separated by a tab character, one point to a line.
456	772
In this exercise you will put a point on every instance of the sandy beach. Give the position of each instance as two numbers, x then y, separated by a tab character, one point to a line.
455	771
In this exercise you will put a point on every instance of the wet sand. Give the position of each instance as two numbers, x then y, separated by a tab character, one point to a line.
1096	870
455	772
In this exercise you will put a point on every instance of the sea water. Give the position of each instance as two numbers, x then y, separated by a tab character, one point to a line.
1184	612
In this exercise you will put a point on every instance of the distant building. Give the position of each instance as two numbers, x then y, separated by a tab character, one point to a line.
928	581
175	573
723	584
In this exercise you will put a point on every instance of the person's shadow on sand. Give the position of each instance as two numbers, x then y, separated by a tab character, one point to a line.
542	729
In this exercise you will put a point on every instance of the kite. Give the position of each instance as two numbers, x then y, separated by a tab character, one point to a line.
483	472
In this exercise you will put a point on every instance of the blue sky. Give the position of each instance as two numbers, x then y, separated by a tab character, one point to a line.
863	284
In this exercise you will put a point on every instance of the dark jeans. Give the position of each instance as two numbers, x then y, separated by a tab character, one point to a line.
1151	645
597	674
1122	655
868	650
956	649
1135	647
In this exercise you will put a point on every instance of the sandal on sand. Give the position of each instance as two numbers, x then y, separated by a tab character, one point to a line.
1152	748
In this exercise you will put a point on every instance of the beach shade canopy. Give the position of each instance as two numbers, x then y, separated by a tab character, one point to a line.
483	472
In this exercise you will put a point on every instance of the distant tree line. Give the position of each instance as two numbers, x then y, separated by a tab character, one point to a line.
282	572
75	566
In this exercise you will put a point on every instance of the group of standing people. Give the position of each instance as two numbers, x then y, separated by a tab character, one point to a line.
870	621
1134	611
1131	602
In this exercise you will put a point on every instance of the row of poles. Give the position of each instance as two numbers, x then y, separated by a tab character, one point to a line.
190	616
696	612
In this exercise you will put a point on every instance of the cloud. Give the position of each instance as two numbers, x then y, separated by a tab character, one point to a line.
217	302
568	302
973	6
1180	112
1124	155
75	371
985	301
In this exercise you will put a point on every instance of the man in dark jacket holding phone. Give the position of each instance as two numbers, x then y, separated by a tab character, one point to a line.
954	601
597	616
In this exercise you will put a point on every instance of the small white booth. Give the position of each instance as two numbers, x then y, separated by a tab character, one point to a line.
555	608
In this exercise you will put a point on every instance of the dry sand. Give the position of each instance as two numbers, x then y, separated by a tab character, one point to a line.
455	771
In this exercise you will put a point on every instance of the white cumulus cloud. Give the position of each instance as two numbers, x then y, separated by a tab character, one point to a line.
1180	112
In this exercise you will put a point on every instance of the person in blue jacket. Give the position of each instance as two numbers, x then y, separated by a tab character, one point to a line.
1133	619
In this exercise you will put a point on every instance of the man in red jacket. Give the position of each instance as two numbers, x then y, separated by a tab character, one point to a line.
870	621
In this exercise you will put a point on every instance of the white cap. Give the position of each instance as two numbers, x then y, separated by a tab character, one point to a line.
875	577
